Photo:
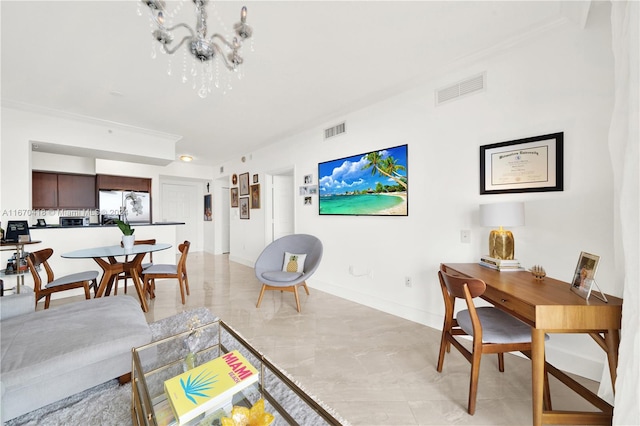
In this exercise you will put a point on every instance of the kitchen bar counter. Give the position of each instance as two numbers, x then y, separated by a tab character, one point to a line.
97	225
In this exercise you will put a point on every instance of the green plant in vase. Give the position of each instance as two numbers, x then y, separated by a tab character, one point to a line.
125	227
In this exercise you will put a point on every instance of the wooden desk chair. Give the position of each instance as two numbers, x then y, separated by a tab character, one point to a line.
86	279
159	271
126	274
493	330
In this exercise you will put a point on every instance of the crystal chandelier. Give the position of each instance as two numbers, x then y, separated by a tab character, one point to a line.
205	49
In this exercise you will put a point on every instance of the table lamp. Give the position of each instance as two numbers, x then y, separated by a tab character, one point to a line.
501	243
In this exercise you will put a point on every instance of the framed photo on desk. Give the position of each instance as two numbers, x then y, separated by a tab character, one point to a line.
583	282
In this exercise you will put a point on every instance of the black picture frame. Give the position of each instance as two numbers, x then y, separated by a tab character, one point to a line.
534	164
244	207
208	211
243	181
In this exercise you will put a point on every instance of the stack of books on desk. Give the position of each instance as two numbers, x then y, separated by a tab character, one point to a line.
501	264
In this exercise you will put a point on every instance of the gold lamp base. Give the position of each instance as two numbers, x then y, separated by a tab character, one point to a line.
501	244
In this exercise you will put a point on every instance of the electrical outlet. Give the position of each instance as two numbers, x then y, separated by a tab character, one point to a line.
407	281
465	236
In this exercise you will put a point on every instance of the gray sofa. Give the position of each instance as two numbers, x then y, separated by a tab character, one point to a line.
50	354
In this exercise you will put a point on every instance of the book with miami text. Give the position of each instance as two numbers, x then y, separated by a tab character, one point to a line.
209	385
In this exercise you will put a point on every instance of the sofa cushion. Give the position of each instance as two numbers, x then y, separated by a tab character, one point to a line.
13	305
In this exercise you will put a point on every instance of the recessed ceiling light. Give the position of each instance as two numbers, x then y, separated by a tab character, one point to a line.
186	158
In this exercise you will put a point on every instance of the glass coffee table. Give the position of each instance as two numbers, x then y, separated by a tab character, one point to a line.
158	361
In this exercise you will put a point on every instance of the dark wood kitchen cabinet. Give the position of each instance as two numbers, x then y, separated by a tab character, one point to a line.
76	191
44	190
63	190
123	183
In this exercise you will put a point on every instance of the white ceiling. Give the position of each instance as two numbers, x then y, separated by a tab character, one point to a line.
312	61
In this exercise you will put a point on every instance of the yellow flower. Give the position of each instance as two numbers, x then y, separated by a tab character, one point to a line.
242	416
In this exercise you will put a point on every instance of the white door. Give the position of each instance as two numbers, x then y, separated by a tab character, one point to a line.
282	206
179	204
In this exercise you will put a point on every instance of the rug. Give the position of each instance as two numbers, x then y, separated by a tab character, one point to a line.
109	404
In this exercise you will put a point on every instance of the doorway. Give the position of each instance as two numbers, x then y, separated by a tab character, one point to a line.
280	208
180	203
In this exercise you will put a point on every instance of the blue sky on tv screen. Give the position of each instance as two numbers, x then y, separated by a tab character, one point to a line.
348	174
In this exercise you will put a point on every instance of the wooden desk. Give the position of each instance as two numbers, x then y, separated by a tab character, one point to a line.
550	307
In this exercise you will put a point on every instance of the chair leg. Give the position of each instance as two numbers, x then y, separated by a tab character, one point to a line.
94	286
473	384
47	300
295	291
501	362
304	284
87	294
444	345
264	287
181	284
186	283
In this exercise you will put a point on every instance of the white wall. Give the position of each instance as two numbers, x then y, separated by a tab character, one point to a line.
560	82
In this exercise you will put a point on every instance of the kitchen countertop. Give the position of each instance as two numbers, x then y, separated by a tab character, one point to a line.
97	225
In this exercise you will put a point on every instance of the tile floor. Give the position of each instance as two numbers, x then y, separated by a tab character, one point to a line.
371	367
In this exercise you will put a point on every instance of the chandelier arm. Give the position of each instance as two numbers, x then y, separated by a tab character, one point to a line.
230	66
223	40
191	31
174	49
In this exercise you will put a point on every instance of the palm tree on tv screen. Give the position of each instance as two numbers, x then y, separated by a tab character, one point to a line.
385	166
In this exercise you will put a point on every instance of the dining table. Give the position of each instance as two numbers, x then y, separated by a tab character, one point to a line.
108	259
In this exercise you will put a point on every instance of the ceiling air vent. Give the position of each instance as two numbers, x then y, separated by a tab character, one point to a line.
334	131
462	88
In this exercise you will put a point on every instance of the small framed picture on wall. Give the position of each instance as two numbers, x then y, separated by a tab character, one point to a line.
255	196
234	197
244	207
244	184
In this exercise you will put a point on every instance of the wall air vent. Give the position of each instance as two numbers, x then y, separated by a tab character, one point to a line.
334	131
462	88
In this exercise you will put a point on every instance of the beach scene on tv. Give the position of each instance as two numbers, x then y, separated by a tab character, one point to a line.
373	183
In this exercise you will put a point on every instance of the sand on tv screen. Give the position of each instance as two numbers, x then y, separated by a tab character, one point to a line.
370	184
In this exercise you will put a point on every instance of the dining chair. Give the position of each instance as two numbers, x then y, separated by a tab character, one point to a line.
125	275
287	263
85	279
492	330
160	271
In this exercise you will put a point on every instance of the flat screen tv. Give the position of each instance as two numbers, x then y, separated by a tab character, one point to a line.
371	184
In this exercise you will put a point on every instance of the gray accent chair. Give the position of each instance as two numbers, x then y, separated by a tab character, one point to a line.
493	330
269	265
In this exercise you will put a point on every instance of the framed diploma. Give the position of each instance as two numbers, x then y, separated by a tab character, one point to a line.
525	165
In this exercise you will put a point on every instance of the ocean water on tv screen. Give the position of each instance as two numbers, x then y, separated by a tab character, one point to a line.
362	204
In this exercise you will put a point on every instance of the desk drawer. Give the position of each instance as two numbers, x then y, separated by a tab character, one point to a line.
514	306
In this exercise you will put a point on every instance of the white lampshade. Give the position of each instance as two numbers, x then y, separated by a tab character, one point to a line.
502	214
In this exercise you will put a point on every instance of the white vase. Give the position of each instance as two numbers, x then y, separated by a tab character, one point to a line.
127	241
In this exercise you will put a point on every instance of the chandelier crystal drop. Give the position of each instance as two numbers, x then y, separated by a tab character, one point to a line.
203	48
